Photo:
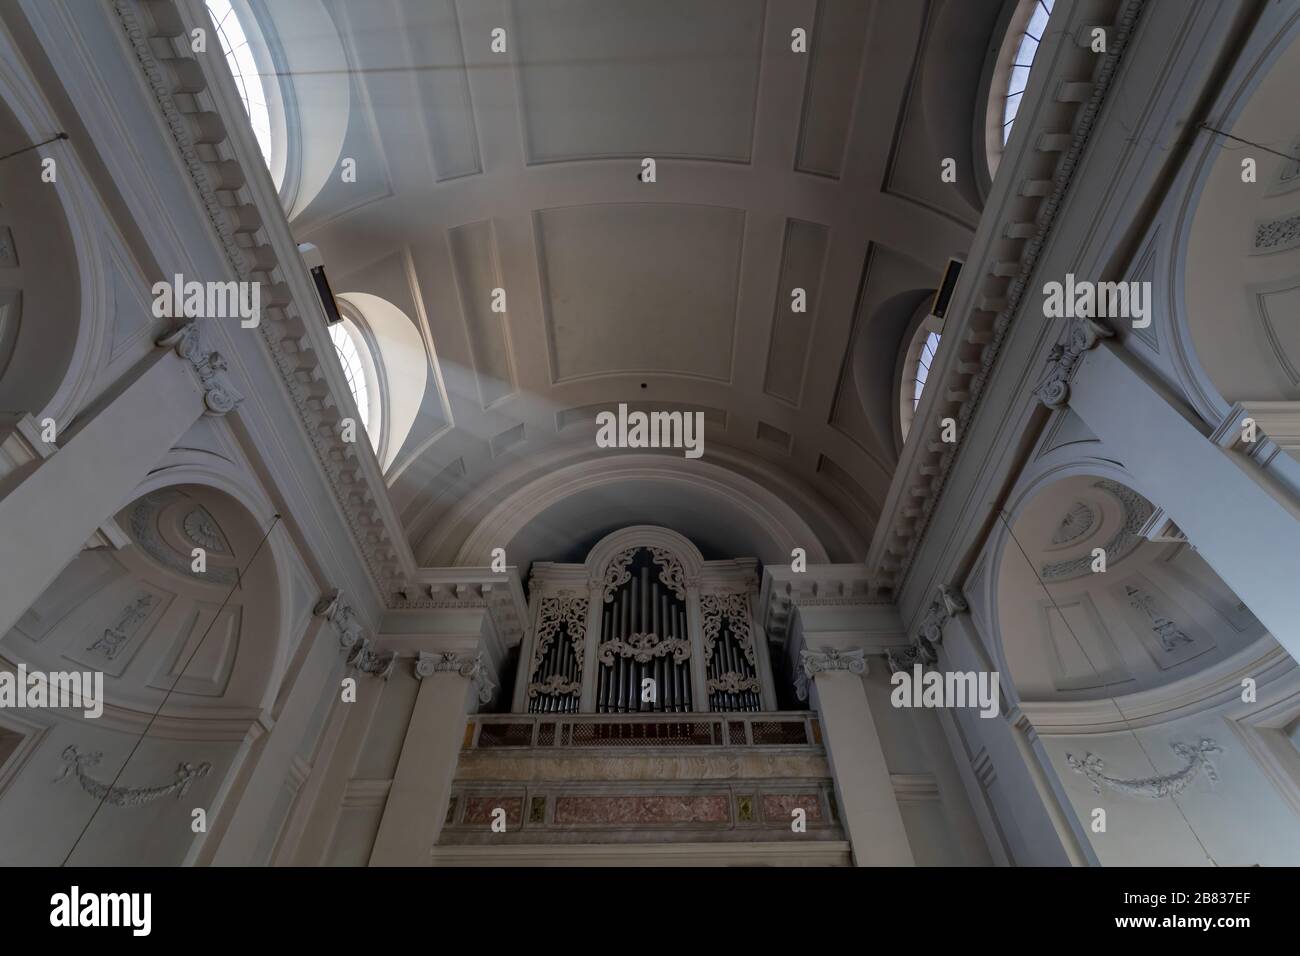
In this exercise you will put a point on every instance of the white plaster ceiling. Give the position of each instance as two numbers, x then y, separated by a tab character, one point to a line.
775	169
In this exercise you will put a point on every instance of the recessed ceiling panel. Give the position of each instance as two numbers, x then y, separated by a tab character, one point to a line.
442	87
606	78
633	287
474	255
797	297
838	44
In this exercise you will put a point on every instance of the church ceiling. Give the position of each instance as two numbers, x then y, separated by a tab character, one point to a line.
775	170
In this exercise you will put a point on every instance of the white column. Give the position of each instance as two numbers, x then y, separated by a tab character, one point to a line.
421	788
1244	528
52	506
863	788
1042	813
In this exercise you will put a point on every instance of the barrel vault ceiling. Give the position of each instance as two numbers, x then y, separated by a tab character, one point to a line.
775	170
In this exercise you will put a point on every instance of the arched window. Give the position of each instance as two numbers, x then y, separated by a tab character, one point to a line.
237	45
916	369
359	367
928	348
1011	74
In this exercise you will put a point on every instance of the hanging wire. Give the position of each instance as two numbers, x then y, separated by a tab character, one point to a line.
239	578
1002	515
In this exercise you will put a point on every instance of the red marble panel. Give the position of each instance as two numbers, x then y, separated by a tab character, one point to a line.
478	810
645	811
777	807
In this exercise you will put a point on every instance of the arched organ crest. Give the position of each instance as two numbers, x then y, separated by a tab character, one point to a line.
644	626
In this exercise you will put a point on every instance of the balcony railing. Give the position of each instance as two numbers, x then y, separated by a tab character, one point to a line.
782	729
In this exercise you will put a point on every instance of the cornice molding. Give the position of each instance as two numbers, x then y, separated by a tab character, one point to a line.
352	472
1030	213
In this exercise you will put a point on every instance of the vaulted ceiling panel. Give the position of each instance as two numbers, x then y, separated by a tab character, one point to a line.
605	78
474	257
837	44
632	287
432	32
802	262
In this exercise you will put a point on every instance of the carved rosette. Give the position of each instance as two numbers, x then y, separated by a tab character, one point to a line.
734	609
825	660
473	669
569	612
219	393
1081	335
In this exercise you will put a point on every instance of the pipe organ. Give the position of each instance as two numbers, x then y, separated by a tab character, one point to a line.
645	648
730	660
644	626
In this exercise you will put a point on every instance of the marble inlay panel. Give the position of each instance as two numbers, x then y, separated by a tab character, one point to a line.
644	811
478	810
777	806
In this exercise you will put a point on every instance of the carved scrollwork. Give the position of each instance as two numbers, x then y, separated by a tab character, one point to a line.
554	686
219	393
617	573
363	657
645	647
671	574
475	669
733	683
1081	335
814	662
569	612
734	609
335	609
1167	785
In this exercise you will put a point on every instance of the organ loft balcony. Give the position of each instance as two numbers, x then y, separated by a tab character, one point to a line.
644	714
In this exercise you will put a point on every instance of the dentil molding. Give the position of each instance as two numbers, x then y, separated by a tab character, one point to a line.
955	391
